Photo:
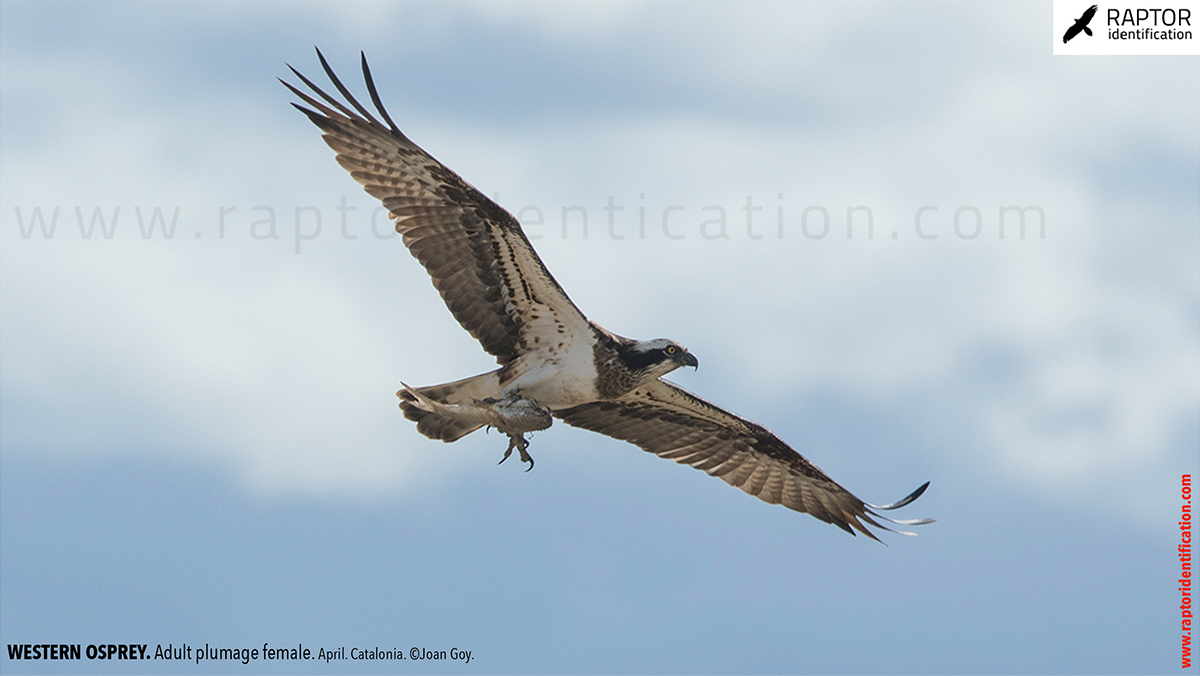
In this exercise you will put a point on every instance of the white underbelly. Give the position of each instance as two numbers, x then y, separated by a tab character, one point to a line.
556	383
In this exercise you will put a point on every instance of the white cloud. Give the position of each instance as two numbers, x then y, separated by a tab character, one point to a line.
281	366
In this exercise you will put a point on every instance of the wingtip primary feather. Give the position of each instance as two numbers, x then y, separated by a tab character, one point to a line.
898	504
907	500
375	95
344	91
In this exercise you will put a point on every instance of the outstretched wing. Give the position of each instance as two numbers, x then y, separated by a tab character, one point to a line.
671	422
480	261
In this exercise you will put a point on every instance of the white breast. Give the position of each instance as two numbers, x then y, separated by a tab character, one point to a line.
557	376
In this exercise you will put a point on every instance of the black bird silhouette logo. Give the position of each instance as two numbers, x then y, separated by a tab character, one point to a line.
1081	24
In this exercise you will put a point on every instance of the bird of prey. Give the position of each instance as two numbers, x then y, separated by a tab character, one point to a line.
554	361
1081	24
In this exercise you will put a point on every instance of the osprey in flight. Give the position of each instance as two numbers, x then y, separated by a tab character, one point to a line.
554	361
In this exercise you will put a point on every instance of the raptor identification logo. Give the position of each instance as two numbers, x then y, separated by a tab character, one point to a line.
1127	27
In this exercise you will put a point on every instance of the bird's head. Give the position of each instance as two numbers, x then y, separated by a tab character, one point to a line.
657	357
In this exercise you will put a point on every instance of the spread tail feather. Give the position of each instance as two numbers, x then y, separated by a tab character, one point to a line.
414	403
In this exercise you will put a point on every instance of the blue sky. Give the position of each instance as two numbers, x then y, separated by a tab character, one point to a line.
199	441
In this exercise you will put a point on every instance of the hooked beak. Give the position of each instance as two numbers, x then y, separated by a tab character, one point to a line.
688	359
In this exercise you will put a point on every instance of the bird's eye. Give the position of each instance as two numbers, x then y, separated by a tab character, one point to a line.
671	349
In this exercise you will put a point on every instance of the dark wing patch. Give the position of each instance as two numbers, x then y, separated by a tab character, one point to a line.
476	253
671	422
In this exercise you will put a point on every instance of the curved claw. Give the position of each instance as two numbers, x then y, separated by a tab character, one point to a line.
518	442
525	457
512	443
